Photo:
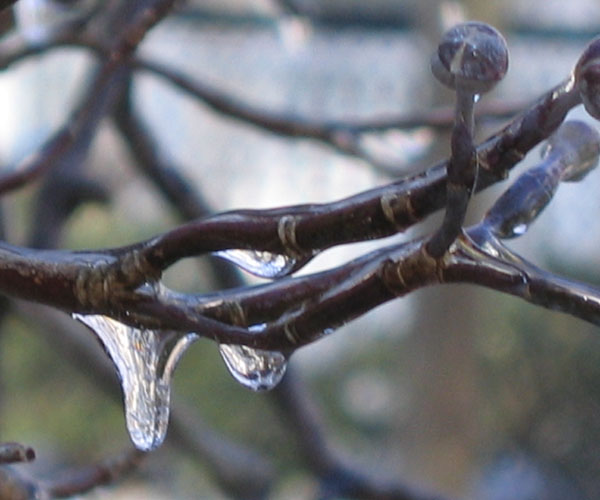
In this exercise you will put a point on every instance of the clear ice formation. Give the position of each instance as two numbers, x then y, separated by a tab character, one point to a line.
263	264
255	369
145	361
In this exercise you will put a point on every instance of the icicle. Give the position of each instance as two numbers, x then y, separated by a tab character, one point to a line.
262	264
145	361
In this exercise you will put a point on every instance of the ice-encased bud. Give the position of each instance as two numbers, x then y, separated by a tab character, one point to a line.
587	78
472	57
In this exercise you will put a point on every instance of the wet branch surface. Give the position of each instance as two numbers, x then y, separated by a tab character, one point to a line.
124	283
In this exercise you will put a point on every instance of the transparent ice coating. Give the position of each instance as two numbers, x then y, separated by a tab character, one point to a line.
569	155
255	369
263	264
577	148
145	361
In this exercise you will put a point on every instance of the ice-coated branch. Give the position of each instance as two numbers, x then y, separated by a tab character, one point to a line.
306	229
300	232
297	311
234	468
108	282
569	156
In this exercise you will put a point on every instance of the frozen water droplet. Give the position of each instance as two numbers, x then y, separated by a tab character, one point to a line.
476	98
519	229
260	263
254	368
145	361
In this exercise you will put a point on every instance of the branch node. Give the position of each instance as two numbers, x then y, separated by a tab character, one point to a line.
392	203
289	329
286	230
416	269
235	312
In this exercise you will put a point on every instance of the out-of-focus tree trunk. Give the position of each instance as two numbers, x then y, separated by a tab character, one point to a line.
443	430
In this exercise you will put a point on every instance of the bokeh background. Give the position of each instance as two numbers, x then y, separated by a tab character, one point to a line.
455	388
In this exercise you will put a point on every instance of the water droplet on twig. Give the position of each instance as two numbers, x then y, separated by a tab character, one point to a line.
255	369
145	361
260	263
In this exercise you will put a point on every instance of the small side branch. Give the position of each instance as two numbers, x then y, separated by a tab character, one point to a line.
84	479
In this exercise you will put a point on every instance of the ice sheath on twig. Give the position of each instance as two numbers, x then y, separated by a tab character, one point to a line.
471	59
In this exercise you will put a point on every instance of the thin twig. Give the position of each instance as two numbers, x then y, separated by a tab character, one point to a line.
338	477
83	479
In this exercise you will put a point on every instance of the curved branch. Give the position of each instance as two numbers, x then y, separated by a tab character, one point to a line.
110	281
85	478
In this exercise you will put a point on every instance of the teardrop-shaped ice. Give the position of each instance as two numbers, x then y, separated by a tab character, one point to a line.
145	361
260	263
254	368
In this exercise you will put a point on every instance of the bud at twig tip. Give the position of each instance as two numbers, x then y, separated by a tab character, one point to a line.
587	78
471	57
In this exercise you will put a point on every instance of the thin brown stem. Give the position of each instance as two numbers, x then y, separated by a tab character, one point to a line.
84	479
